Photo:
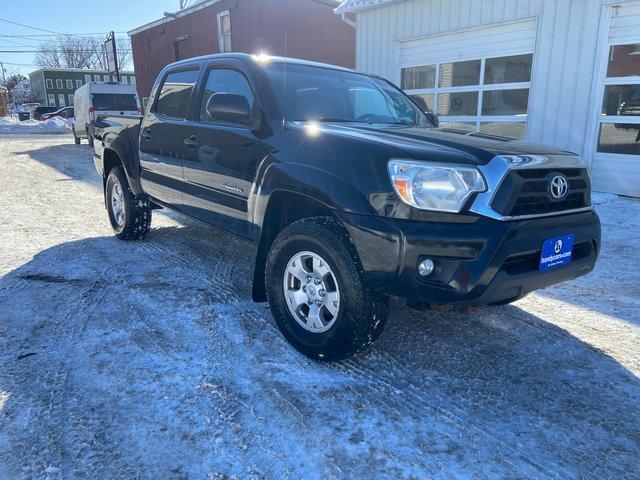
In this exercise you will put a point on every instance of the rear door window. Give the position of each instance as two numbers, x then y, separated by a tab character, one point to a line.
175	94
114	101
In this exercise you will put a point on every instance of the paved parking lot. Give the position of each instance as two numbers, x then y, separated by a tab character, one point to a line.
149	360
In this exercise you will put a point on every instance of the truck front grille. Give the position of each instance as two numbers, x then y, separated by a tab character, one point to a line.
526	192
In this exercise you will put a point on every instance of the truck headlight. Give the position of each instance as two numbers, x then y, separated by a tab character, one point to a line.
435	186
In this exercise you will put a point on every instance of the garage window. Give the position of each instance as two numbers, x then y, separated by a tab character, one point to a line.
619	129
488	95
224	31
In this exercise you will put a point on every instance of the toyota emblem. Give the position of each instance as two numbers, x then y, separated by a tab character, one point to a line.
559	187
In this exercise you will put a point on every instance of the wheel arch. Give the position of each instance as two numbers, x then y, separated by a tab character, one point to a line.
288	192
284	208
113	156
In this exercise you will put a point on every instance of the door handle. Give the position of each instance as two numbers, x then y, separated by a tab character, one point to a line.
146	135
191	142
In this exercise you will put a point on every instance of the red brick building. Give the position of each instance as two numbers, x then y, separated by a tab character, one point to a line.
309	28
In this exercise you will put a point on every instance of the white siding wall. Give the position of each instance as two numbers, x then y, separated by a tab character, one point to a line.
380	29
564	64
563	61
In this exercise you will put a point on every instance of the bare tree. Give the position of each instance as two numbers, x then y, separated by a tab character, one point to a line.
71	51
123	48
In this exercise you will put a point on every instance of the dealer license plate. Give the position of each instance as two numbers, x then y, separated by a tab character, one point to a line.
556	252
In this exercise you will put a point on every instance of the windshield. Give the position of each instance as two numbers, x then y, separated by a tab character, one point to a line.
114	101
324	94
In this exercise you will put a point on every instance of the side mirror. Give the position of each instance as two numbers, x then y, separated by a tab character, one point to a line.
433	118
422	105
229	107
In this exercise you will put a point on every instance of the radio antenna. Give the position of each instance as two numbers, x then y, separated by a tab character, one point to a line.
284	73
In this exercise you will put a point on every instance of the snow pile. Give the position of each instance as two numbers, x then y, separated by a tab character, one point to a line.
51	126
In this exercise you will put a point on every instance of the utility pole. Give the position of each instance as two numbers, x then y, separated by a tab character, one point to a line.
4	78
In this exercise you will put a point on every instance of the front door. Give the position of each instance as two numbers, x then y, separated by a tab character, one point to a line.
220	168
162	149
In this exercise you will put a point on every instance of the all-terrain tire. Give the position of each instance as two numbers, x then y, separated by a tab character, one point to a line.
362	314
137	211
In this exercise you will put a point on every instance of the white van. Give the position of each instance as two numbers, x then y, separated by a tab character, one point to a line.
94	99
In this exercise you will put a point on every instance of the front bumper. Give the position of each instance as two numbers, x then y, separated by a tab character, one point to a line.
479	260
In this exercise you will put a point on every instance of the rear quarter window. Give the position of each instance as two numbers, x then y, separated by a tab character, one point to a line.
114	101
175	94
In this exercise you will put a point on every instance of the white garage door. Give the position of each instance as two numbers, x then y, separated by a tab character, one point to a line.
477	79
616	162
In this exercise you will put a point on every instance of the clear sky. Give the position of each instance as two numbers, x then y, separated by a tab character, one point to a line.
70	16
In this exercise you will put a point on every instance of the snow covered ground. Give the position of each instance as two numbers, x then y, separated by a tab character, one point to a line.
56	125
148	360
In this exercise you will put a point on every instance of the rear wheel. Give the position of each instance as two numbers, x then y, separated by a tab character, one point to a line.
317	293
130	215
76	140
89	131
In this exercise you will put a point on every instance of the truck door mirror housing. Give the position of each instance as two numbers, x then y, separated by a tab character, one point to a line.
422	105
229	107
433	118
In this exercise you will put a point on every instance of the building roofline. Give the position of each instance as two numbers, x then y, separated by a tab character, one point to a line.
194	8
87	70
351	6
180	13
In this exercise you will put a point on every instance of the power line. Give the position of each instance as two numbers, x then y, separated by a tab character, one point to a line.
28	26
52	50
37	36
20	64
12	42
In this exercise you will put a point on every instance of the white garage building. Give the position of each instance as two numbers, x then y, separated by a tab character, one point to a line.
561	72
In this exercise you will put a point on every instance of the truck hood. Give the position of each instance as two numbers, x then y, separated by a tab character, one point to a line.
422	143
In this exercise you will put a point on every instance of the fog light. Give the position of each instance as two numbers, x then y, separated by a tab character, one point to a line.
426	267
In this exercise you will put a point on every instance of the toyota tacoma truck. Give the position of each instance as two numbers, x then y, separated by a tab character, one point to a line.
350	192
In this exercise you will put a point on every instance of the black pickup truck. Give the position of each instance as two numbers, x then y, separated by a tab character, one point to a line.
350	192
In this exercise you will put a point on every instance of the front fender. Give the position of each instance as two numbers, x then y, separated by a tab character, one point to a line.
315	183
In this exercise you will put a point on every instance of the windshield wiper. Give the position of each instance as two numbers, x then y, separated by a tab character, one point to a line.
336	120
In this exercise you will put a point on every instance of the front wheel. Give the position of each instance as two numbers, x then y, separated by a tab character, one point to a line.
317	293
130	216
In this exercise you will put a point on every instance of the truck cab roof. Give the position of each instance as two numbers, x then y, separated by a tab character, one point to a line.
259	59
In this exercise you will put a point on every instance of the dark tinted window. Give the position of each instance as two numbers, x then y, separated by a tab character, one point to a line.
621	100
621	138
418	77
175	94
508	69
315	93
458	104
459	73
224	81
505	102
114	101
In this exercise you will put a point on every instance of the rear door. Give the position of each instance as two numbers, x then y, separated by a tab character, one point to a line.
162	135
115	104
221	163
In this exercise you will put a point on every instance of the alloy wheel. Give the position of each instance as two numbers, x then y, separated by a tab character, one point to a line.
311	292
